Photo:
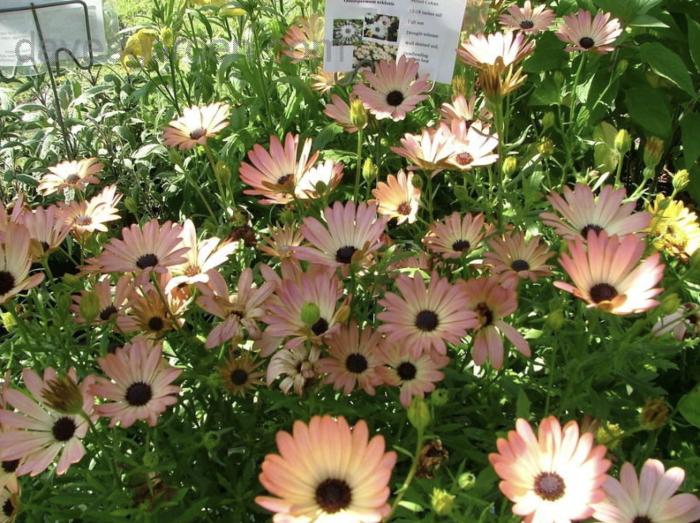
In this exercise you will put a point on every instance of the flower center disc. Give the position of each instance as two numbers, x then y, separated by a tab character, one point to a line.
63	429
333	495
549	486
7	282
196	134
427	320
590	227
586	42
356	363
239	377
344	254
138	394
395	98
603	292
520	265
146	261
527	24
406	371
320	326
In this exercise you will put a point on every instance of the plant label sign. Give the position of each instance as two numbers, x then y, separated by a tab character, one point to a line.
360	32
62	27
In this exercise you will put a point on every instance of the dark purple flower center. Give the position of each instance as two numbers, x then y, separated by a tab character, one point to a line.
8	508
72	178
356	363
7	282
427	320
485	312
406	371
108	312
63	429
146	261
333	495
527	24
156	324
395	98
603	292
344	254
10	466
196	134
284	180
590	227
642	519
461	246
520	265
549	486
586	42
239	377
320	326
138	394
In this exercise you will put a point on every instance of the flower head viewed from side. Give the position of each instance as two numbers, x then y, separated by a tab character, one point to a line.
457	235
196	126
328	471
512	258
430	150
673	227
296	367
555	475
647	499
423	318
502	49
528	19
304	39
398	198
607	273
319	180
70	175
584	32
47	229
394	89
88	216
15	263
581	211
465	109
139	384
36	433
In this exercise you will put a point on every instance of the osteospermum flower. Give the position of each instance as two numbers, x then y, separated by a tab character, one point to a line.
528	19
85	217
328	471
473	146
414	375
281	242
111	300
649	499
139	385
685	321
47	229
323	82
295	365
673	228
319	180
151	248
9	505
15	262
554	476
70	175
37	434
514	258
397	197
429	150
463	109
353	359
394	88
148	311
457	235
581	211
425	318
584	32
274	174
196	126
491	303
303	40
607	273
339	110
503	49
351	233
241	374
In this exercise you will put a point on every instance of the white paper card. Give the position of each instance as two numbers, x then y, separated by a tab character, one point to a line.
62	27
362	31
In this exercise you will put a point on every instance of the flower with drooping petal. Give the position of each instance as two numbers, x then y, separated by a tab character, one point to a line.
47	229
673	228
414	375
196	125
275	174
241	374
281	242
394	88
15	262
528	19
463	109
473	146
397	198
304	39
581	211
295	365
350	235
111	300
328	471
555	475
512	258
70	175
139	384
142	250
150	312
423	318
584	32
339	110
328	174
8	217
647	499
607	273
353	359
491	303
239	311
684	322
429	150
324	81
35	433
503	49
457	235
85	217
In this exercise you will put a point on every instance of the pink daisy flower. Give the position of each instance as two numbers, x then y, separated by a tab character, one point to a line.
583	32
394	89
239	311
76	175
607	273
37	434
274	175
457	235
153	247
397	198
351	234
528	19
429	150
463	109
424	318
85	217
150	312
513	258
506	48
581	211
554	476
139	385
196	126
304	39
111	299
328	471
353	359
474	146
281	242
328	174
647	499
15	263
491	302
414	375
47	229
339	110
295	365
682	323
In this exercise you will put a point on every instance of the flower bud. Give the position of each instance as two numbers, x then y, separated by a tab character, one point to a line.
622	66
442	502
8	321
609	435
555	319
63	395
419	414
654	414
549	120
653	151
89	306
310	313
71	279
510	166
440	397
466	480
232	12
211	440
167	36
681	180
670	303
369	170
545	147
223	172
623	141
358	114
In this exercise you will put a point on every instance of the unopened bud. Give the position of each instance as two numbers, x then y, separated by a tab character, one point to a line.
310	313
223	172
440	397
549	120
442	502
609	435
167	36
623	141
670	304
369	170
654	414
510	166
466	480
358	114
555	319
89	306
545	147
71	279
681	180
232	12
211	440
621	66
8	321
653	151
63	395
419	414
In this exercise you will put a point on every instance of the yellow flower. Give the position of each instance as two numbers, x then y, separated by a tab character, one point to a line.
674	229
139	46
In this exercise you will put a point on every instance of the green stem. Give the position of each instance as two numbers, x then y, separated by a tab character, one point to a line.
212	161
358	169
409	478
572	102
430	196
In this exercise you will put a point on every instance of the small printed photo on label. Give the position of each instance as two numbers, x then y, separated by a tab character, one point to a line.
365	55
347	31
382	27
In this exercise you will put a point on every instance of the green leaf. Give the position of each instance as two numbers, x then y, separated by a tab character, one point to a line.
667	64
694	41
547	93
549	55
690	129
648	22
689	406
606	157
650	109
522	405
